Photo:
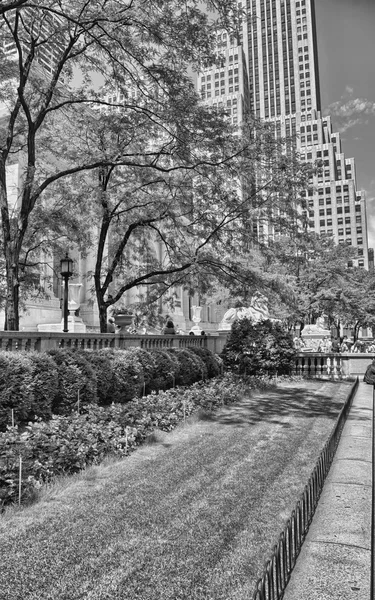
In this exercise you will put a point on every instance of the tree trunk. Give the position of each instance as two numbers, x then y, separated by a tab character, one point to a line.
102	314
11	256
12	294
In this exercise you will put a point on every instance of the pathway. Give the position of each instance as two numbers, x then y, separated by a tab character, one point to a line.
335	560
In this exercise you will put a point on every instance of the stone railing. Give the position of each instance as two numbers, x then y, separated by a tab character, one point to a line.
333	365
40	341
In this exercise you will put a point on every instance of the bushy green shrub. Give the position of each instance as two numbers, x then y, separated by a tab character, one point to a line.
209	359
16	387
101	362
66	444
44	385
148	363
258	348
167	370
191	367
127	381
76	379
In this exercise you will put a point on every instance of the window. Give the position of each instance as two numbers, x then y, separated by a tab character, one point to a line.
339	210
341	232
347	209
358	219
360	241
340	221
359	229
357	208
321	212
321	201
322	223
361	263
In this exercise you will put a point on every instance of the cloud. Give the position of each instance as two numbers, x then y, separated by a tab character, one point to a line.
350	111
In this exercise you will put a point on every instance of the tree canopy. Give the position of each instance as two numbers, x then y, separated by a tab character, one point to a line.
99	113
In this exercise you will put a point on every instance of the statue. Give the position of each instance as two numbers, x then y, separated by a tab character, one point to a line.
257	311
196	330
313	334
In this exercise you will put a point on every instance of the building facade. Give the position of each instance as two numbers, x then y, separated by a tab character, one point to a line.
276	48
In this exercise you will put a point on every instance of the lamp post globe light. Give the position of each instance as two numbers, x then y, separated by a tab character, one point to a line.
66	269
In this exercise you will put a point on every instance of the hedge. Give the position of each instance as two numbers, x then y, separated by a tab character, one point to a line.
77	381
66	444
37	385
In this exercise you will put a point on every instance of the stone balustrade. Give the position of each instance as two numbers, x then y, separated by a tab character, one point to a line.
307	364
41	341
332	365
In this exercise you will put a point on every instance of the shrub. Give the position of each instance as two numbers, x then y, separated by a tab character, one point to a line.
101	362
66	444
167	370
75	374
209	359
16	387
148	363
127	381
44	385
190	367
257	349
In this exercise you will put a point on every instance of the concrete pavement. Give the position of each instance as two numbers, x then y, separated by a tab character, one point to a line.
335	559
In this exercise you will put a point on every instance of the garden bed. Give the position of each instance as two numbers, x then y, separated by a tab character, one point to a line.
192	515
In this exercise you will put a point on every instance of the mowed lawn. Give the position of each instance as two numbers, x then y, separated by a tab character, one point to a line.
191	516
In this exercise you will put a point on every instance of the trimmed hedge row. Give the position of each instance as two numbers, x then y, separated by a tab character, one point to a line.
67	444
37	385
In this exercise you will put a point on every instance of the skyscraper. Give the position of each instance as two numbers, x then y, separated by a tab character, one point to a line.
276	51
279	40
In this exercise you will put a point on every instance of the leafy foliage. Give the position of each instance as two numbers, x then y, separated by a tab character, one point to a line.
16	387
154	166
128	379
44	385
191	367
167	368
77	381
212	363
258	348
66	444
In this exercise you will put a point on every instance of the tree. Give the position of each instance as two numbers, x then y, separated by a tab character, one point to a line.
315	274
192	224
356	304
263	348
49	68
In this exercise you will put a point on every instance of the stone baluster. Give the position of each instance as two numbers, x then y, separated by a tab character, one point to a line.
328	366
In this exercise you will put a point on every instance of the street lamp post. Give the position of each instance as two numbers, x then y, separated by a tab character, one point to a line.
66	268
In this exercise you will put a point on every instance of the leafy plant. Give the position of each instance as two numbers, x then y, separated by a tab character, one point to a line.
76	380
66	444
258	348
16	387
128	379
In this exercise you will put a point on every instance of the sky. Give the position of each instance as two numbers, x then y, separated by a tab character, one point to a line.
346	54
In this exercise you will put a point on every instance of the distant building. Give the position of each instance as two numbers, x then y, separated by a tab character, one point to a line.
277	48
371	265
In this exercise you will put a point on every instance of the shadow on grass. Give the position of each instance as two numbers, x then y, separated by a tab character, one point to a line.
276	404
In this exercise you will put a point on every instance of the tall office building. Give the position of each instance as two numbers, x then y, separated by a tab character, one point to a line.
279	39
278	46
